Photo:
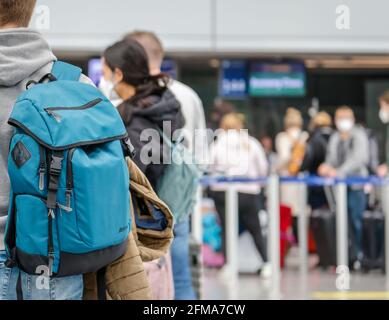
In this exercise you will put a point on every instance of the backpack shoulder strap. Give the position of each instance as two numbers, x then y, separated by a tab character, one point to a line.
65	71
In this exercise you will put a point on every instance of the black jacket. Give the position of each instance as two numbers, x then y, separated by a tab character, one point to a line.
161	109
315	155
316	149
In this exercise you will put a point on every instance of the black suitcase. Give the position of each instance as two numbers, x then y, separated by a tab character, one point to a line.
322	222
373	241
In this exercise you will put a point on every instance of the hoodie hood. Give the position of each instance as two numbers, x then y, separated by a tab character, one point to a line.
161	108
23	51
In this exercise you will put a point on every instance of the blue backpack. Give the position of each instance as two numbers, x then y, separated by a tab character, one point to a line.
70	202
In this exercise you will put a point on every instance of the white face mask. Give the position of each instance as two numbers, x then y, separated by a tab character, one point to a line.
345	125
294	133
384	116
107	87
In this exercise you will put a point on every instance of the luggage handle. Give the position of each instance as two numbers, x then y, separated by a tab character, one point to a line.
330	198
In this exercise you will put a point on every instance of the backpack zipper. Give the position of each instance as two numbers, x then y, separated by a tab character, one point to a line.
51	111
42	168
56	116
69	177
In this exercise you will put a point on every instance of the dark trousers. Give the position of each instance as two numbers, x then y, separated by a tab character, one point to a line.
249	206
356	205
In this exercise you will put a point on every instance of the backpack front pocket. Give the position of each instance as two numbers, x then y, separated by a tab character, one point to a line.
95	193
27	166
31	224
32	236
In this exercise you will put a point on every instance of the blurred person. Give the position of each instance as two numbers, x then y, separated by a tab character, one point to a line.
374	157
236	154
195	139
271	156
220	109
348	155
147	101
24	55
315	155
191	105
147	104
382	170
290	147
289	139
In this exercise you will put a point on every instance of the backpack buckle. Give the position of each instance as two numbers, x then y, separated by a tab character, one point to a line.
55	173
56	165
10	263
128	148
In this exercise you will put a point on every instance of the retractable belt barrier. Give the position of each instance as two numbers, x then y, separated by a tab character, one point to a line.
273	192
307	180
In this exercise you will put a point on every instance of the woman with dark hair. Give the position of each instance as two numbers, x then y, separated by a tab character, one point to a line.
147	104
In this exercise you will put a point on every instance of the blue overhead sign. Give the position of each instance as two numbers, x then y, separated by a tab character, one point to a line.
233	79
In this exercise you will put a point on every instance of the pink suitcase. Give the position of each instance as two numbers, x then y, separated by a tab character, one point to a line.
212	259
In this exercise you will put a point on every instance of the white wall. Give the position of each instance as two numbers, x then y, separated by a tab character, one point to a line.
228	26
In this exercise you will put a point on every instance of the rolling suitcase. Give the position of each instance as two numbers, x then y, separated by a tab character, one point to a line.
373	241
323	224
324	231
286	234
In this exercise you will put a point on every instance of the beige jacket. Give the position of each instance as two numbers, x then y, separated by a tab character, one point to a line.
126	278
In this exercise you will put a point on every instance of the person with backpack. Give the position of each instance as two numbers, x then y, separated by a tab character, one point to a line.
195	139
348	155
290	148
27	252
148	106
152	116
315	155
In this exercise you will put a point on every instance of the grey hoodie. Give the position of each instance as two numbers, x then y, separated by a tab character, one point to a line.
24	55
356	155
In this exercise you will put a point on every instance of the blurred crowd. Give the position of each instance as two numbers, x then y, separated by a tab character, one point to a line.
330	147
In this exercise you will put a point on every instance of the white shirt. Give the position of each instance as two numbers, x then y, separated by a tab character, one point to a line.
195	126
235	154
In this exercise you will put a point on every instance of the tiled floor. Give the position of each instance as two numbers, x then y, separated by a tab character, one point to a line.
317	284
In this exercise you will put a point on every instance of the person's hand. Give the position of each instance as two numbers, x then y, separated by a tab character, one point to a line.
382	170
323	170
327	171
332	173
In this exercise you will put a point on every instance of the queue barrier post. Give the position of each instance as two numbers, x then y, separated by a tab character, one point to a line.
303	229
197	217
273	190
341	225
385	205
274	233
232	232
